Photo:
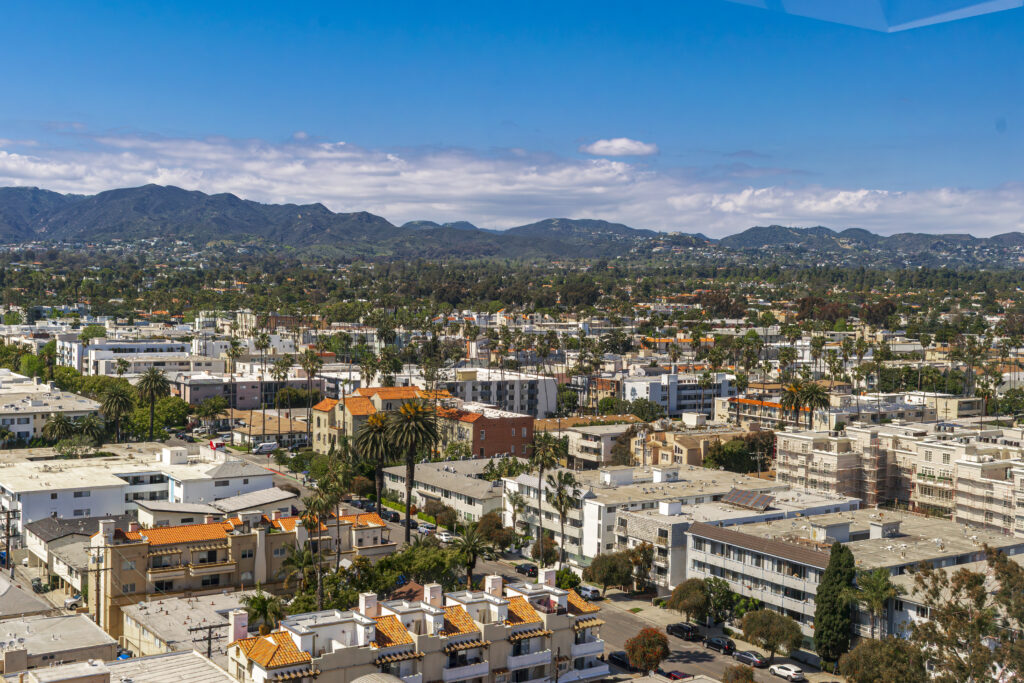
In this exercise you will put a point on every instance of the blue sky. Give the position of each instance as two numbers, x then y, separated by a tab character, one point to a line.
714	116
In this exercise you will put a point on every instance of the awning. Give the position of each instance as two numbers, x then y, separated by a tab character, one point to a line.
466	645
398	657
292	675
532	633
587	623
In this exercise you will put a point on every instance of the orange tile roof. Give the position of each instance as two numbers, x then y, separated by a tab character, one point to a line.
460	415
390	393
520	611
390	632
580	606
359	405
363	519
274	650
326	405
457	621
188	533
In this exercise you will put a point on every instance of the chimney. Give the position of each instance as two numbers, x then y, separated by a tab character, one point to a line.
238	624
107	530
133	526
546	577
209	519
368	604
275	515
432	594
493	584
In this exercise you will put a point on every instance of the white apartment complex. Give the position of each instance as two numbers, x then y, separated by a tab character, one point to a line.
680	393
26	404
518	392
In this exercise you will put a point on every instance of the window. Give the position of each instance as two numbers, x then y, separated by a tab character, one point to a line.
247	554
221	482
524	432
945	458
483	434
211	580
245	481
128	565
128	588
85	512
53	496
280	552
163	586
83	494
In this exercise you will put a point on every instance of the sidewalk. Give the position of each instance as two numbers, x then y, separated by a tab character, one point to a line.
658	617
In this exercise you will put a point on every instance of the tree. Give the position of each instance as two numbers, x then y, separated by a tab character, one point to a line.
411	428
567	579
771	631
610	405
516	504
117	401
263	608
298	564
814	397
58	427
73	446
152	385
690	598
543	457
609	569
641	556
622	447
647	649
738	673
793	400
720	599
889	660
471	546
874	591
317	508
832	605
374	447
549	553
563	495
310	363
646	410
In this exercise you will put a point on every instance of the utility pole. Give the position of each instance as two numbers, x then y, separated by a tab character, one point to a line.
209	636
7	535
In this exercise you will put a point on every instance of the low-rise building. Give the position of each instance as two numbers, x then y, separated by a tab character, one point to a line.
488	431
180	667
265	501
458	484
41	641
517	392
591	447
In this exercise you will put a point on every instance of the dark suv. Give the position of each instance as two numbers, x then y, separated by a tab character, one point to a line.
620	659
683	630
723	645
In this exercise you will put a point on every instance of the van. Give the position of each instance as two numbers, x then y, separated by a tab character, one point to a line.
265	448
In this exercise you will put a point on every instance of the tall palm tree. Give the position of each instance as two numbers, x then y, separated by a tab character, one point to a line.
234	352
793	400
262	343
336	482
517	503
279	373
58	427
299	564
5	436
411	428
265	609
564	495
153	385
874	590
92	427
317	509
311	364
121	367
470	547
116	402
814	397
543	457
374	447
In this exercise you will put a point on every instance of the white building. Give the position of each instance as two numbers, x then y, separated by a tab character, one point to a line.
85	358
26	404
518	392
680	393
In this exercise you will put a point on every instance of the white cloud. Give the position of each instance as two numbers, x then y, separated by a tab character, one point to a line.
498	190
620	147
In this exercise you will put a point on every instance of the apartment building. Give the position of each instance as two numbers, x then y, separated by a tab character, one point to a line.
59	546
26	404
606	493
197	559
180	667
105	486
332	418
680	393
241	391
488	431
153	513
456	483
517	392
668	447
40	641
665	527
781	562
516	633
86	357
844	408
590	446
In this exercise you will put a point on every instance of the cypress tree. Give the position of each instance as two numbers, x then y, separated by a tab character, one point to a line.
832	605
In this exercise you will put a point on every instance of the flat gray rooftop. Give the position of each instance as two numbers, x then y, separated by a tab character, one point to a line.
45	635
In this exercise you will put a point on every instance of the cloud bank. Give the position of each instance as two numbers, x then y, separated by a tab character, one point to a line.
500	189
620	147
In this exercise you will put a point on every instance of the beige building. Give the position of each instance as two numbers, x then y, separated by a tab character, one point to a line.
520	633
681	447
332	418
39	642
184	561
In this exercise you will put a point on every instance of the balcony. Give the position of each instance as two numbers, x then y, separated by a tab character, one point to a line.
459	673
208	568
593	647
530	659
165	573
413	678
599	670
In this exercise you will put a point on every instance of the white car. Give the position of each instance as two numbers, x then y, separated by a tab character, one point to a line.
787	671
74	602
445	536
589	593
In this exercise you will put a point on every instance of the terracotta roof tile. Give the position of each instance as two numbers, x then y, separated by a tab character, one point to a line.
578	605
326	405
457	621
276	650
520	611
460	415
390	632
363	519
188	533
359	405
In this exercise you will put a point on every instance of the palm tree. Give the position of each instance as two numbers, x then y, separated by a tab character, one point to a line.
517	504
874	590
563	495
262	343
742	383
279	372
317	508
814	397
335	483
234	352
470	547
153	385
299	563
543	457
264	608
412	428
92	427
705	382
5	436
374	447
116	402
311	365
121	367
792	400
58	427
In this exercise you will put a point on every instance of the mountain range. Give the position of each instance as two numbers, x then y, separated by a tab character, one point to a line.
163	212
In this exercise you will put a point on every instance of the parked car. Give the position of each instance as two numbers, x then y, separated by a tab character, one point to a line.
425	530
526	569
428	525
723	645
790	672
74	602
672	675
413	524
357	503
684	631
445	536
588	593
37	585
751	658
620	659
391	515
